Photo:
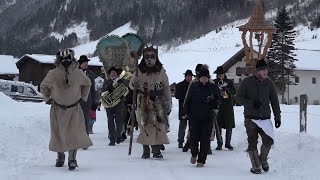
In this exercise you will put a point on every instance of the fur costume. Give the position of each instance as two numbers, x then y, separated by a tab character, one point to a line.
154	101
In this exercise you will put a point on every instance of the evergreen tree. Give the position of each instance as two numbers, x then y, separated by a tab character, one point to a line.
281	55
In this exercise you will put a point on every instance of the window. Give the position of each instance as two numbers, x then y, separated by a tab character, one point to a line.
314	81
296	79
17	89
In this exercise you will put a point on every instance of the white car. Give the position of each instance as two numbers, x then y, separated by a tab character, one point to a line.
20	91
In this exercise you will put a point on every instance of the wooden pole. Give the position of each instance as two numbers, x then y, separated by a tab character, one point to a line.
303	112
133	119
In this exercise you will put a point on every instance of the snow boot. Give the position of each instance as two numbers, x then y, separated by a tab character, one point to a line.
219	147
72	162
229	147
162	148
255	161
60	160
112	143
186	147
264	157
180	145
199	164
90	129
157	156
228	139
193	159
145	156
124	136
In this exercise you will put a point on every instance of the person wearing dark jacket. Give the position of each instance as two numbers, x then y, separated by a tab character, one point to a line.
180	94
225	116
255	93
114	114
202	101
86	106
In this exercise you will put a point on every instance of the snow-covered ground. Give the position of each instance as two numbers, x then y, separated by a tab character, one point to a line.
25	133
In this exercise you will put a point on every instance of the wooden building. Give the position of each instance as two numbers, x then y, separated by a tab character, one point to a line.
34	67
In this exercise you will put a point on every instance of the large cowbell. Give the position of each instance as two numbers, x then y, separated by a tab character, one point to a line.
136	44
112	51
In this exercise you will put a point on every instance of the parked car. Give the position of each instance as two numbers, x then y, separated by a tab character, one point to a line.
20	91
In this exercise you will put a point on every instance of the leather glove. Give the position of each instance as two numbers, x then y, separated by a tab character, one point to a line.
110	89
277	123
256	104
50	101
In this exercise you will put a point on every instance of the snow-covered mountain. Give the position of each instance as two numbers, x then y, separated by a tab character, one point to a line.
48	25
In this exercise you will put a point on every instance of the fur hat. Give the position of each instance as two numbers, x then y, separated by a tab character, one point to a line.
219	70
118	71
204	72
188	72
82	59
261	65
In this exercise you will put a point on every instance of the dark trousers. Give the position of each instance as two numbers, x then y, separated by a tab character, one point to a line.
228	137
182	130
115	121
252	131
155	149
86	113
200	131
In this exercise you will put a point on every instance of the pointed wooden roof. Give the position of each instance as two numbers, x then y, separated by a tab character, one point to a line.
257	20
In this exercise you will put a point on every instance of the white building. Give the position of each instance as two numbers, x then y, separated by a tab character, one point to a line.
307	72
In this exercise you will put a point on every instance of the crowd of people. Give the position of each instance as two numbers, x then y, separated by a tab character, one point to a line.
205	107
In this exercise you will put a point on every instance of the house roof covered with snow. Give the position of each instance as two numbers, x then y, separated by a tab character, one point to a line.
8	65
50	59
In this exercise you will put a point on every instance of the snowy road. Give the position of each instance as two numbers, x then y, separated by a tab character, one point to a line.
294	157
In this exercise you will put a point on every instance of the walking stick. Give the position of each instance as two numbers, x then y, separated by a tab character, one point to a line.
134	101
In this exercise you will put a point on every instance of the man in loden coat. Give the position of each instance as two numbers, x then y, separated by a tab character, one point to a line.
64	88
180	94
256	93
153	103
86	106
225	116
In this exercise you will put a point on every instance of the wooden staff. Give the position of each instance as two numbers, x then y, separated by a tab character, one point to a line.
133	117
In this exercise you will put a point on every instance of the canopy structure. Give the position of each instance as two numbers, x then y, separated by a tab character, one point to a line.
257	24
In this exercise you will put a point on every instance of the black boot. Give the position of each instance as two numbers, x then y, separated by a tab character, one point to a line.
180	145
162	148
72	159
124	136
60	160
72	164
228	139
264	157
146	152
90	129
158	156
186	147
255	161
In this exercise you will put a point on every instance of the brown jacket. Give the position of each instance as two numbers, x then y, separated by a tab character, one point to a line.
68	129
